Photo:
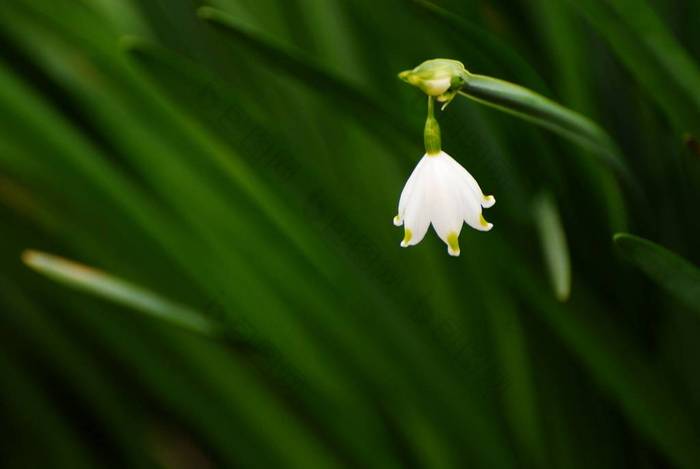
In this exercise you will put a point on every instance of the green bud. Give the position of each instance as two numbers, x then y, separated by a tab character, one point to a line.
441	78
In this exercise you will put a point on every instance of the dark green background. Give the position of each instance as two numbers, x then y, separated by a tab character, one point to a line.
248	164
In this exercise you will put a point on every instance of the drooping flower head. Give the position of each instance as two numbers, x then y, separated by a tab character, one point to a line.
439	191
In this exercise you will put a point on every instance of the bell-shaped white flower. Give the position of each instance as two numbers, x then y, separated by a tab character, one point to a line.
440	191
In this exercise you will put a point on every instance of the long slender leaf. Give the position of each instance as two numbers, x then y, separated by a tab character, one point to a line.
489	43
304	68
653	57
670	271
99	283
239	163
618	366
527	104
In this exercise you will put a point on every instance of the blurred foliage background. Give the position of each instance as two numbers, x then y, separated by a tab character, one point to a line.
240	163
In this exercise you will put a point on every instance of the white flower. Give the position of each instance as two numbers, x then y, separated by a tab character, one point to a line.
440	191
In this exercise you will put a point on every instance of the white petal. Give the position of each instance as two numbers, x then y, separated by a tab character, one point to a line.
407	192
484	200
471	208
417	215
472	211
446	203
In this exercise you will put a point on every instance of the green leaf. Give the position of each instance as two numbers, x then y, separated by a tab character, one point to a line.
51	346
676	275
644	44
148	56
33	414
519	396
112	288
487	42
554	245
298	65
620	368
365	355
526	104
681	68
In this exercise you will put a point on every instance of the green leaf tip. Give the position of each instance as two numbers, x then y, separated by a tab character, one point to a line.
621	237
104	285
554	246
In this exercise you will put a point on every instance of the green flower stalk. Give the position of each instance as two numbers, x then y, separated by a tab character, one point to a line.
431	134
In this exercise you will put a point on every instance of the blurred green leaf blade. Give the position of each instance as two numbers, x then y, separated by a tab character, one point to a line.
533	107
112	288
554	245
676	275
